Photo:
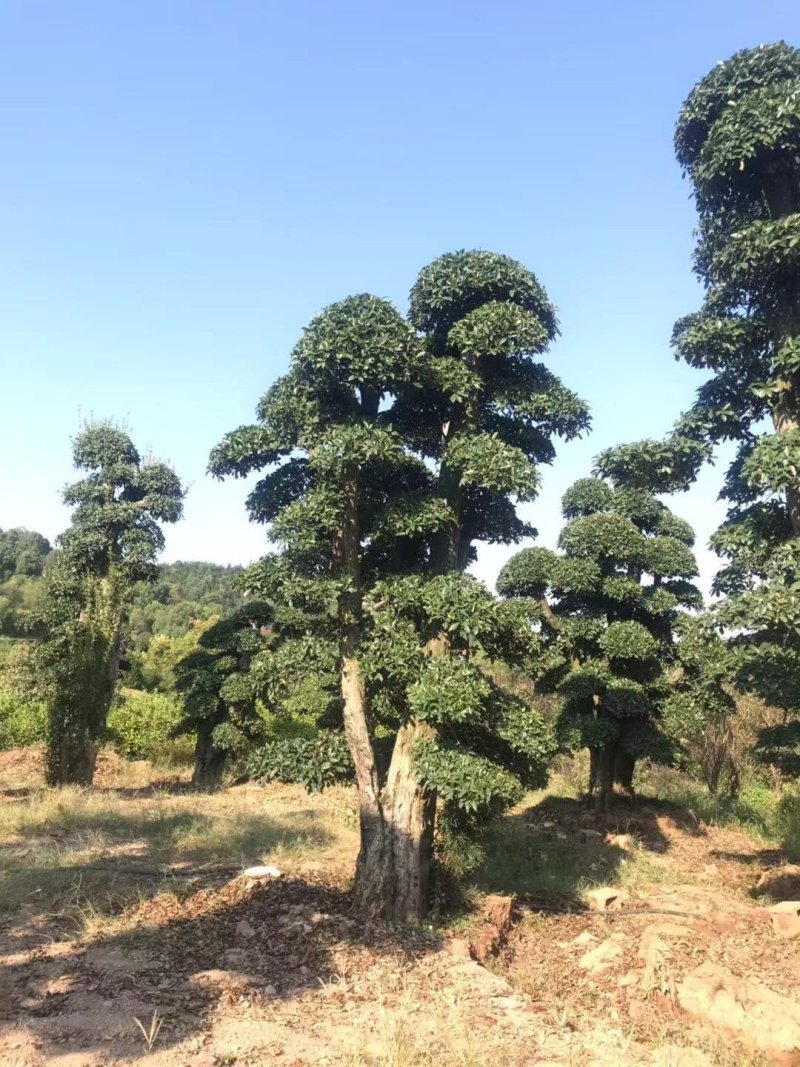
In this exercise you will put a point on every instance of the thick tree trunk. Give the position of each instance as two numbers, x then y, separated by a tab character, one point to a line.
393	873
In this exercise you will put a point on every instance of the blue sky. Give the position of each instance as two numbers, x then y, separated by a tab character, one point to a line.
184	184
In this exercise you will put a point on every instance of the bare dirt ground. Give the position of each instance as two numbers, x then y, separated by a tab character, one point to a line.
126	904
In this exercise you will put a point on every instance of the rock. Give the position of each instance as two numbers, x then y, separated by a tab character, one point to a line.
785	918
780	883
458	946
605	898
590	835
767	1019
262	872
491	933
600	958
623	841
244	931
227	981
676	1056
585	938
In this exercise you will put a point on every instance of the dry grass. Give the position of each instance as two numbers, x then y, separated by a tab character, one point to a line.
85	854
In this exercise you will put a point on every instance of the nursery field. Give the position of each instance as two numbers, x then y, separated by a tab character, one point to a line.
130	935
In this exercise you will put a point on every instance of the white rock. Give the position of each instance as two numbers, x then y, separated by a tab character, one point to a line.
262	872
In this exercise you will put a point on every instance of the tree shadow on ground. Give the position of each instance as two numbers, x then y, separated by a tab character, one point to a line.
551	852
101	860
241	945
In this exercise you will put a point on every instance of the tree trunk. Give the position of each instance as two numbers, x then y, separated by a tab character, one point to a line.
209	761
78	715
605	778
393	872
624	767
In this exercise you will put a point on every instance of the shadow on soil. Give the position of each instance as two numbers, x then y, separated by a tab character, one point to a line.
554	850
240	944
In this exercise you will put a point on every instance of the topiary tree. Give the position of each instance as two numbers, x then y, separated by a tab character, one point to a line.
395	452
738	140
607	605
218	691
112	543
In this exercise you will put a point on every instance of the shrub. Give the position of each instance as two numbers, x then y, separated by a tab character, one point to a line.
315	762
140	726
22	722
788	820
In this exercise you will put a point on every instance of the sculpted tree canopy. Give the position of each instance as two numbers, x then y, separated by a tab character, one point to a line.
392	447
738	140
112	542
607	604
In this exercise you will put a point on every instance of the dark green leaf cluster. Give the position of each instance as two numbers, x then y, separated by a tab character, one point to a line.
313	762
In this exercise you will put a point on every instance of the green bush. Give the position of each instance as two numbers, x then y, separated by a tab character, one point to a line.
788	820
316	763
22	722
140	726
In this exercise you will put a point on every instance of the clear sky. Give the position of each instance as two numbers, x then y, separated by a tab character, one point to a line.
185	183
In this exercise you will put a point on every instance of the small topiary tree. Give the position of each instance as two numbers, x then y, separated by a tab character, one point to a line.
112	543
607	605
218	691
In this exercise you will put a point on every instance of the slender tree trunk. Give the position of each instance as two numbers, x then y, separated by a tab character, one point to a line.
209	761
605	778
624	767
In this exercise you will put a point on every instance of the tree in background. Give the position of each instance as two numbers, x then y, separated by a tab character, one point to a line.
607	606
699	708
393	453
22	552
112	542
738	140
218	690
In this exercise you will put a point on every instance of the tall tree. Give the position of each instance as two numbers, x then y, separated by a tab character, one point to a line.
112	542
607	606
397	451
738	140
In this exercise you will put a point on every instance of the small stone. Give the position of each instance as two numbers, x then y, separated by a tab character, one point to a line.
267	871
458	946
605	898
600	958
785	918
623	841
244	931
270	991
590	835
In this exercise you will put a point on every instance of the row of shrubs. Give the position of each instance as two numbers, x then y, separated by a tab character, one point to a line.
141	727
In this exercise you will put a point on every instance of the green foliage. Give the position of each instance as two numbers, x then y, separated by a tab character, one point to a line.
22	552
22	722
314	762
142	726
